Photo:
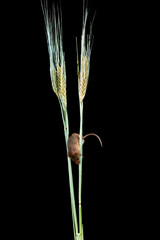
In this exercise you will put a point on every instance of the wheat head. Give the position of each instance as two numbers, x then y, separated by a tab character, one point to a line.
86	43
83	78
62	84
53	25
54	80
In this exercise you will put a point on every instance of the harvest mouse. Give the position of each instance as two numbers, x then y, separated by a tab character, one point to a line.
74	146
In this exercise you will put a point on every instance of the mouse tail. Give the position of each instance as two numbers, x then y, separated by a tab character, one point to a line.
89	134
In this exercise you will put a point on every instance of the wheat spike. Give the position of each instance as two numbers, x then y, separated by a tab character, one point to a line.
85	58
53	24
54	80
83	78
62	84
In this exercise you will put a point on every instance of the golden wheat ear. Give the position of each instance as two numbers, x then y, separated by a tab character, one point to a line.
53	26
86	45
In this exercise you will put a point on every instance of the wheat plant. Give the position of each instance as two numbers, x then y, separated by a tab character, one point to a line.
53	27
83	76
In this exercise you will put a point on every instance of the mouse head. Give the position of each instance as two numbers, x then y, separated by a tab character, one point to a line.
76	158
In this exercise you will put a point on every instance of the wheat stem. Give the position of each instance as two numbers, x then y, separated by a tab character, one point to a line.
83	76
80	168
71	185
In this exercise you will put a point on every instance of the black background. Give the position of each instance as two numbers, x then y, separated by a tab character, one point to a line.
38	200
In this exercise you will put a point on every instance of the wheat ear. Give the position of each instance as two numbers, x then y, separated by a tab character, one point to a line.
53	26
86	44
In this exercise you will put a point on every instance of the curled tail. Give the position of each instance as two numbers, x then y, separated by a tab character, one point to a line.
94	135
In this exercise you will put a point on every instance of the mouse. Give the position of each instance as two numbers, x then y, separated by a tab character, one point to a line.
74	146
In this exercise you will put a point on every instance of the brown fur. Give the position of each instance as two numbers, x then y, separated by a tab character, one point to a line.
74	146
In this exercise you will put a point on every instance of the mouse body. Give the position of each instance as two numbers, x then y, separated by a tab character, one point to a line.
74	146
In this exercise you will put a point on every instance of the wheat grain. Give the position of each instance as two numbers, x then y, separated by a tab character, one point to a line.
62	84
83	78
54	81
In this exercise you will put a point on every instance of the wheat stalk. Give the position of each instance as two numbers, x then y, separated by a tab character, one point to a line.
53	26
83	76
